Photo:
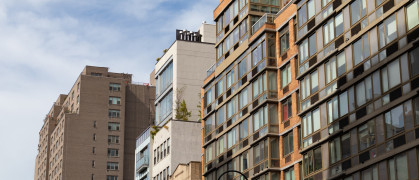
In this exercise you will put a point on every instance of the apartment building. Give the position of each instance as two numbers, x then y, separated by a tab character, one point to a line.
90	132
178	76
142	156
358	67
250	98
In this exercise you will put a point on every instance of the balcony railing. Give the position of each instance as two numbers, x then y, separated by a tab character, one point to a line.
142	163
266	18
211	70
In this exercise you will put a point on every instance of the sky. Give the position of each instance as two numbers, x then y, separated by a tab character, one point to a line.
45	44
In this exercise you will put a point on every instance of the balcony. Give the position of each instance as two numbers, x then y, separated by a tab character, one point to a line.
266	18
142	163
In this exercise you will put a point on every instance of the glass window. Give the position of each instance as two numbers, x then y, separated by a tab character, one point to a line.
312	161
311	9
164	107
312	44
391	75
335	150
258	53
412	15
165	79
331	70
244	161
243	67
346	145
394	121
259	85
414	62
209	124
285	40
332	109
287	144
314	82
113	126
343	103
208	97
366	134
289	174
361	49
311	122
387	31
370	173
220	146
287	109
302	15
114	100
231	108
260	118
339	24
341	63
398	168
219	116
286	75
243	98
231	78
358	10
308	48
112	87
113	113
219	88
303	51
244	129
329	31
208	153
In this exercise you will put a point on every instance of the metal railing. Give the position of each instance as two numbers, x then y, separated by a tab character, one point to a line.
266	18
142	163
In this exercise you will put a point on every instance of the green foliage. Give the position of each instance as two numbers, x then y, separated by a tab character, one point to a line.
154	131
182	112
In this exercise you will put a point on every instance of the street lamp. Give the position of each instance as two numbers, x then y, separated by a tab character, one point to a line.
219	177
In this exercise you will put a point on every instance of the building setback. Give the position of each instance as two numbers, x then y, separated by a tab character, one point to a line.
90	133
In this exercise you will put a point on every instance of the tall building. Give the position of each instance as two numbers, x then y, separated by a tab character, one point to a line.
358	67
179	74
90	132
243	95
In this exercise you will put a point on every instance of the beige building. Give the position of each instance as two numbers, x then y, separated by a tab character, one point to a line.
190	171
90	133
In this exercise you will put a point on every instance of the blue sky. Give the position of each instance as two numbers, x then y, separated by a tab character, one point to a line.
45	44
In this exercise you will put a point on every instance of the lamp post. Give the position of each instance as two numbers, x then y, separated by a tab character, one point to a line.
219	177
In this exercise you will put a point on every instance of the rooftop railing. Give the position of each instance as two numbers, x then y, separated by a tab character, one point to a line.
266	18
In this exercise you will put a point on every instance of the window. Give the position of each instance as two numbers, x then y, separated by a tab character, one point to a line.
113	139
341	63
390	75
113	152
231	108
164	79
260	118
112	166
94	137
361	49
287	109
412	15
394	121
114	100
208	97
219	117
308	48
244	129
258	53
219	88
168	146
259	85
363	91
231	138
306	12
220	146
414	62
208	153
209	124
366	134
398	167
312	161
310	84
113	113
244	161
370	173
284	40
346	145
311	122
231	78
165	106
387	31
260	151
289	174
242	67
111	177
358	10
332	109
93	163
94	124
335	150
286	75
287	144
114	87
113	126
243	98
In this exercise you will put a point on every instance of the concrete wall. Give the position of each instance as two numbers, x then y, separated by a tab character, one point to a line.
190	171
